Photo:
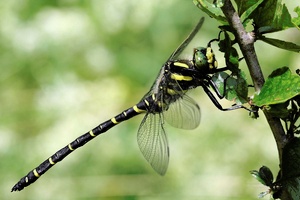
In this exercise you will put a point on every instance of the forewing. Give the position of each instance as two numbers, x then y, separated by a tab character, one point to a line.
186	42
183	113
153	142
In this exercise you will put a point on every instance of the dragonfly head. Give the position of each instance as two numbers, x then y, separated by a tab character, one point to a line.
204	59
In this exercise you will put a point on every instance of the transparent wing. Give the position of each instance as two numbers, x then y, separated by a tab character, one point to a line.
183	113
153	142
177	53
185	43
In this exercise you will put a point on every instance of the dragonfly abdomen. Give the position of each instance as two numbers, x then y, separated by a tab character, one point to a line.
34	174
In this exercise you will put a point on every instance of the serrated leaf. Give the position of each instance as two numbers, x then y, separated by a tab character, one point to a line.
280	86
244	5
213	10
237	90
281	44
233	88
246	8
232	59
230	53
271	16
219	79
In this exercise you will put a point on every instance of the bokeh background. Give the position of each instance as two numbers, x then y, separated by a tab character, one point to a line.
66	66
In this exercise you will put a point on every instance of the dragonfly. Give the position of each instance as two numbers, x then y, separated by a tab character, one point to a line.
167	100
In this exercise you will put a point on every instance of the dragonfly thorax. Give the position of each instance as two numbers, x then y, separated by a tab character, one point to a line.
171	84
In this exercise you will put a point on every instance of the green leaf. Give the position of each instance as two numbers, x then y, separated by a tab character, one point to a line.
246	7
236	88
291	189
280	86
291	159
290	170
272	16
219	80
256	175
230	53
281	44
296	20
264	176
213	10
278	110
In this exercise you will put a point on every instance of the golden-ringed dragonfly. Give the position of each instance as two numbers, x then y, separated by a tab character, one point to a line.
166	100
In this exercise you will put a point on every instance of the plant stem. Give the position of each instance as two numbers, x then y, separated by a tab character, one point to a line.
246	44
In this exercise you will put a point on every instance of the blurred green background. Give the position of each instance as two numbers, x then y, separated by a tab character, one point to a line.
67	66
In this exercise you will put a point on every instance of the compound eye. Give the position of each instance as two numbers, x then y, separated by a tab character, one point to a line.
200	58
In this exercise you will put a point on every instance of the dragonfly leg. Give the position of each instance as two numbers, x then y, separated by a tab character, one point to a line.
215	88
221	96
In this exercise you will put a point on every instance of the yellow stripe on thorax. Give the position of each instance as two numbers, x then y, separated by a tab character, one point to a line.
178	77
180	64
146	102
171	92
153	97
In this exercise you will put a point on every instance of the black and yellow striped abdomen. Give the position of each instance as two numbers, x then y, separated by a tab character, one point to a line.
33	175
